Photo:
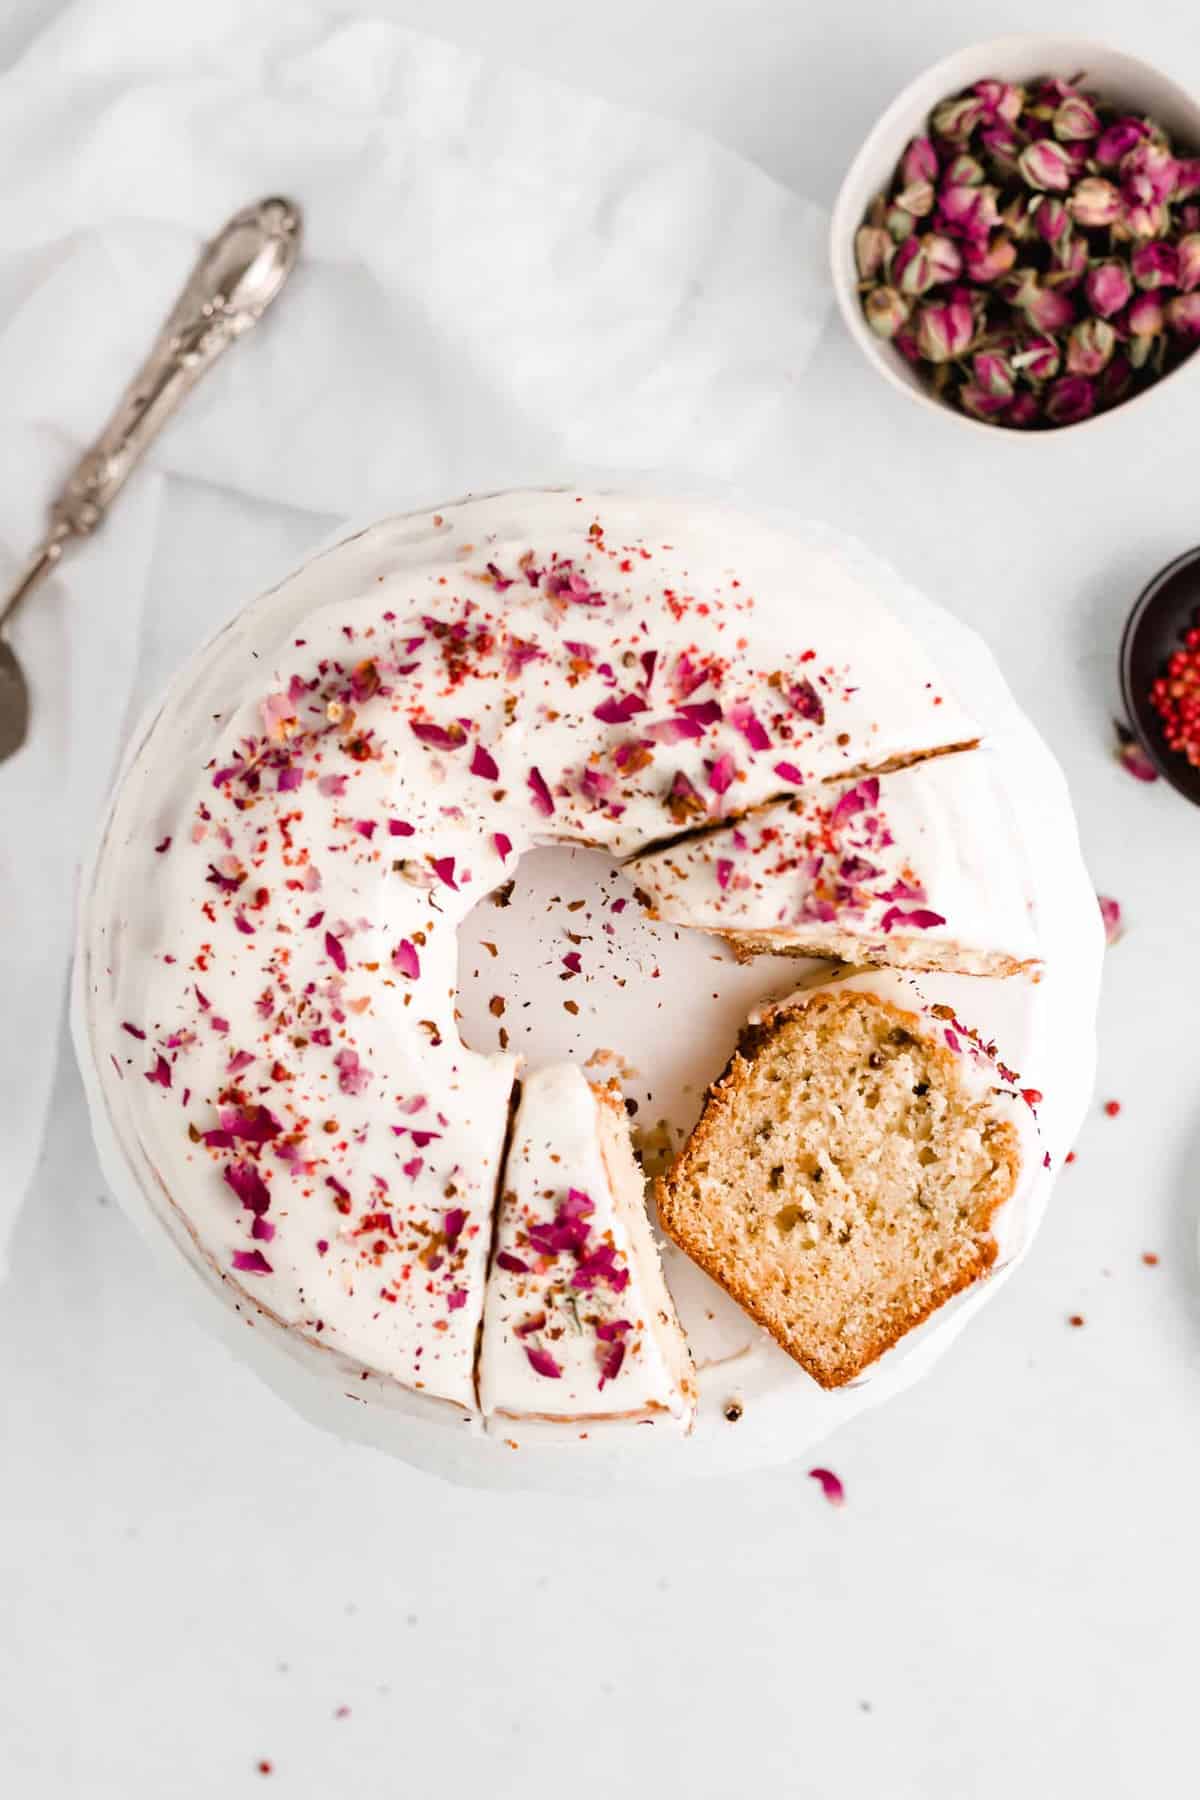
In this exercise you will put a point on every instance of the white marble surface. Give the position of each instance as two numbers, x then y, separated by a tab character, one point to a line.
192	1579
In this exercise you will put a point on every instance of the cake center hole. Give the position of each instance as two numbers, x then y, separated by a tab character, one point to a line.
566	963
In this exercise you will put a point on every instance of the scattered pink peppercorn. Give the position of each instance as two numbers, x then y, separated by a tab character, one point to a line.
1175	697
1112	1108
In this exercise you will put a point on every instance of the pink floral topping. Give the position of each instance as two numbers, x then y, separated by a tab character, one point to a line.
438	737
721	774
787	771
443	868
542	1363
744	719
248	1185
543	800
352	1077
400	828
502	844
161	1072
334	951
804	699
251	1262
484	764
406	960
506	1260
619	710
921	919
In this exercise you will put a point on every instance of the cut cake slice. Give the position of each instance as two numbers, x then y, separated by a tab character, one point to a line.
842	1180
578	1324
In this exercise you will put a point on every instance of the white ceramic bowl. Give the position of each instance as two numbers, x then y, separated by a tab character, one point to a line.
1129	82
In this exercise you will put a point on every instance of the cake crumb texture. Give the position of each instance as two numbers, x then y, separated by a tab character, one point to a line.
842	1179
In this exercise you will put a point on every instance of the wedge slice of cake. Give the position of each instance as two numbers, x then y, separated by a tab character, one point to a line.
843	1178
920	868
578	1324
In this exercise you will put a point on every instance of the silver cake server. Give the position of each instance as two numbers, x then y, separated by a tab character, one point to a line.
237	277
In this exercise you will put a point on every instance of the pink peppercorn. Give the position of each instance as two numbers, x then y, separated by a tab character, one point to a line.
1175	697
1112	1108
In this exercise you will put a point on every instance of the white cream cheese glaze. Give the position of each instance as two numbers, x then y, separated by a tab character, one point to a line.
578	1323
328	789
923	867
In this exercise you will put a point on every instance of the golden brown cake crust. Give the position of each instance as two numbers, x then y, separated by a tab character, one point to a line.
830	1356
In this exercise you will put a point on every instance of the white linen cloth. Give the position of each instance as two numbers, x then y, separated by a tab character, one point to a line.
503	281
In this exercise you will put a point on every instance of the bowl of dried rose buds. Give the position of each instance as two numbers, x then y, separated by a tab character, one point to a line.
1018	241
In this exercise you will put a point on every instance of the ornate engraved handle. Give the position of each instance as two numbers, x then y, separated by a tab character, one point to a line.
237	277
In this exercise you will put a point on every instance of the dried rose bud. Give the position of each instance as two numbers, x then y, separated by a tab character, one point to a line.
1018	217
968	212
1108	288
899	224
1095	202
963	171
886	311
1113	384
1038	359
979	403
872	249
1049	309
917	198
919	162
1090	347
1068	264
954	120
1044	164
1187	253
1183	315
1071	400
1076	118
1023	411
1003	147
993	374
945	330
1187	177
1189	218
910	270
1141	221
1048	95
905	341
1148	175
1118	140
1050	218
988	262
1145	316
1000	100
1155	265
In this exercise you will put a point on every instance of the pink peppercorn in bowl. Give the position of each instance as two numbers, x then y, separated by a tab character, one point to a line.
1163	625
1129	84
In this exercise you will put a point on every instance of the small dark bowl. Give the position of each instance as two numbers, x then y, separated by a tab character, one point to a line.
1161	615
